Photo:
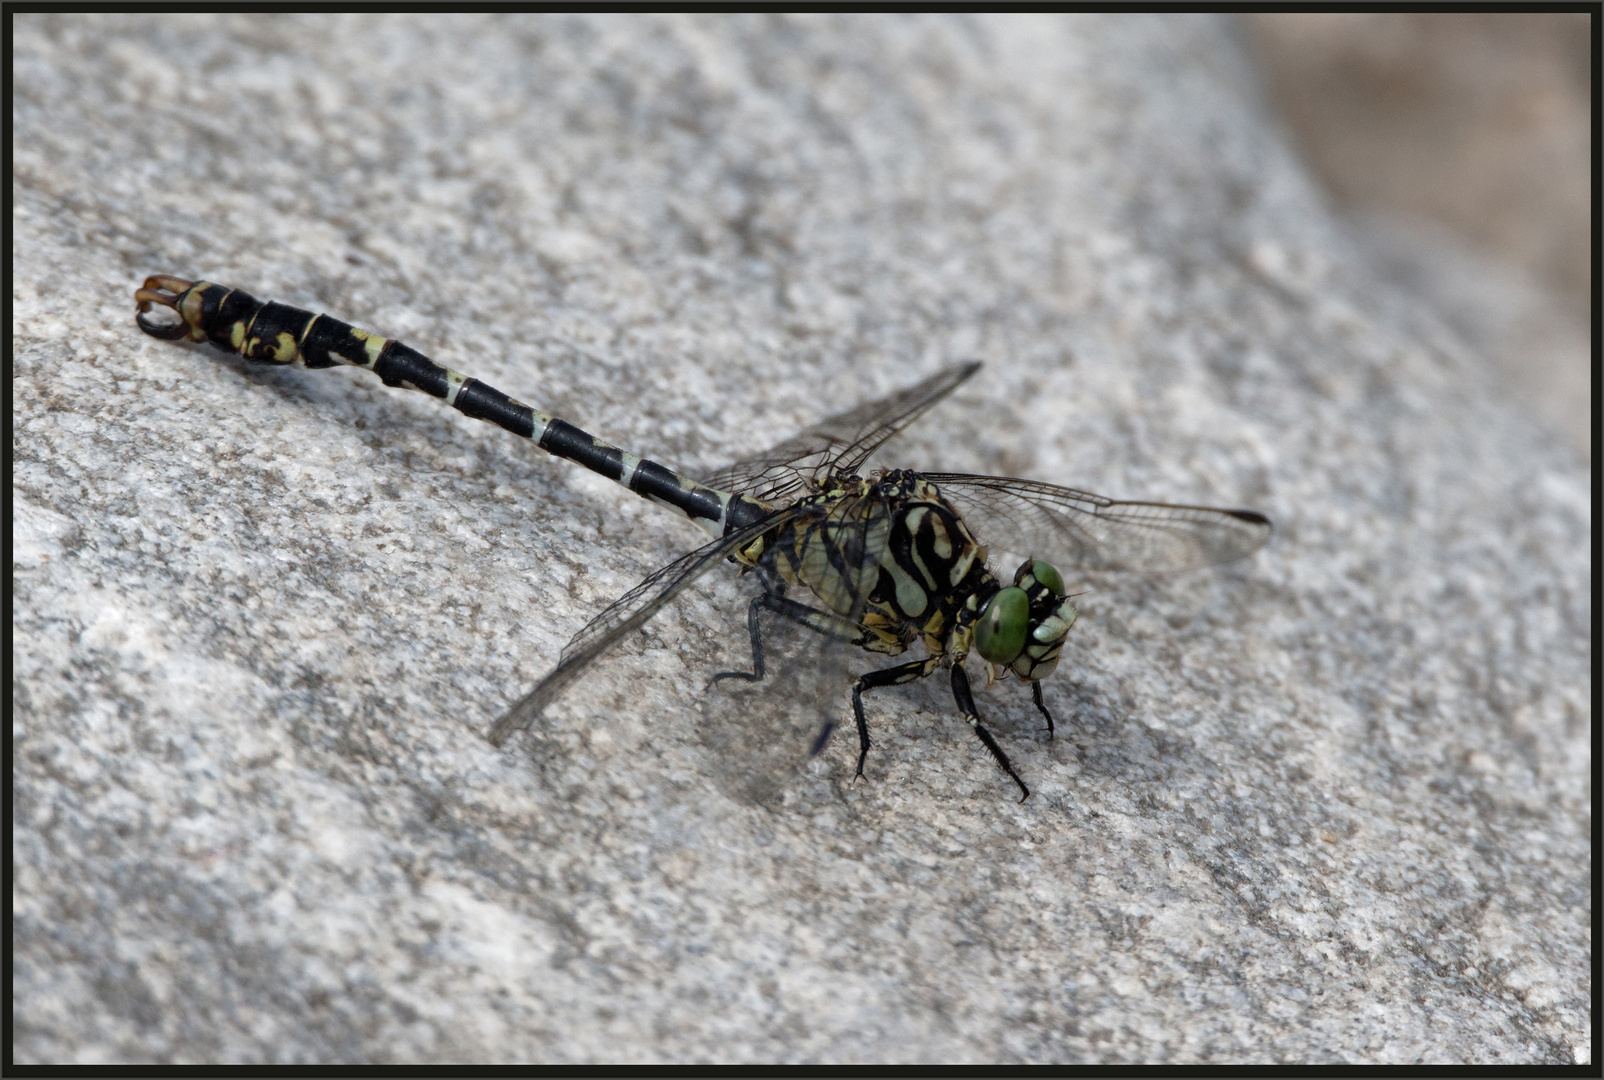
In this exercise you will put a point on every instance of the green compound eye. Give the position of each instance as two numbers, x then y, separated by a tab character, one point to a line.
1047	574
1000	634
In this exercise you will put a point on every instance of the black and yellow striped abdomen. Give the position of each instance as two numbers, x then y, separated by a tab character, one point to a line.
272	333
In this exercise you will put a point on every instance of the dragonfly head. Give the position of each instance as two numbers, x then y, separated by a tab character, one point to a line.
1022	627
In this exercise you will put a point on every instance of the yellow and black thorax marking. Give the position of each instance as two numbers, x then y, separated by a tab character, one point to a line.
888	551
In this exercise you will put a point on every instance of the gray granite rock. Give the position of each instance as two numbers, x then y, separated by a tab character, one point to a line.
1330	804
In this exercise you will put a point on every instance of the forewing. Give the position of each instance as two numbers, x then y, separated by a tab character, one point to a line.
844	441
626	614
1077	528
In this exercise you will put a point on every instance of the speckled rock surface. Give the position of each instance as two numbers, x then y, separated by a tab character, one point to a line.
1330	804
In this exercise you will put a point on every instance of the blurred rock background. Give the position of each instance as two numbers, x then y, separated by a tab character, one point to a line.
1460	143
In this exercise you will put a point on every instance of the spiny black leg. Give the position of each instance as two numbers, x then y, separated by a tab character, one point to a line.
966	705
863	723
1035	692
890	676
773	587
756	674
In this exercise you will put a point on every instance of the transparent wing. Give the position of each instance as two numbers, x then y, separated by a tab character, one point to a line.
844	441
629	612
1077	528
758	734
761	734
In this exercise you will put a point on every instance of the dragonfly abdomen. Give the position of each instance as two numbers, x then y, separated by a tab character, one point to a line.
272	333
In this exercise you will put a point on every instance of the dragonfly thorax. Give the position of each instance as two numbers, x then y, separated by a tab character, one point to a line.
892	554
888	552
930	563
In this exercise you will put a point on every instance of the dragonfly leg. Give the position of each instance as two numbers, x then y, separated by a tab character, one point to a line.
756	674
775	600
1035	693
966	705
891	676
773	588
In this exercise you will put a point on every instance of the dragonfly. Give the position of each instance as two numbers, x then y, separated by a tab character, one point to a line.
880	560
